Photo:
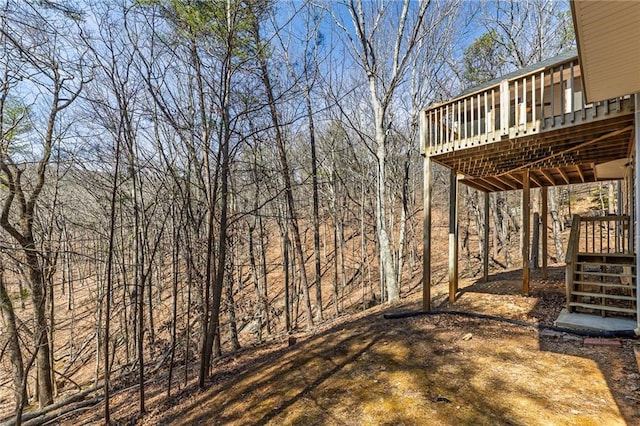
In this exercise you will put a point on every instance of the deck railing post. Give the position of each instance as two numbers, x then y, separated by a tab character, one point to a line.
563	99
542	115
552	116
426	233
504	107
453	236
533	100
526	207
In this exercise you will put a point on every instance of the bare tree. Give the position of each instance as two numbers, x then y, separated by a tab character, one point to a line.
33	59
383	40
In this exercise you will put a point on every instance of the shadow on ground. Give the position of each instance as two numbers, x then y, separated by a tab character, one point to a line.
421	370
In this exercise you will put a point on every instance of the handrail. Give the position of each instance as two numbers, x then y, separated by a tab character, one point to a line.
571	257
538	100
574	238
604	234
599	238
496	84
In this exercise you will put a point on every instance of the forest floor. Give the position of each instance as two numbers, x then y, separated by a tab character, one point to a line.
440	369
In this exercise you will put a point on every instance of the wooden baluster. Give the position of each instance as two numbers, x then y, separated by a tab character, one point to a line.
472	123
479	119
523	120
533	100
440	140
542	115
447	131
486	117
493	111
458	125
562	97
465	119
573	108
516	115
553	103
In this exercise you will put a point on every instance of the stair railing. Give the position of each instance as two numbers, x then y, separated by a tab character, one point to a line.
595	235
572	256
605	234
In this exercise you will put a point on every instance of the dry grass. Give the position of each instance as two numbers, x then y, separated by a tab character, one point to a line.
416	371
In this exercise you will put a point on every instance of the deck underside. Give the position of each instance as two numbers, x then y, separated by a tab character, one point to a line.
563	156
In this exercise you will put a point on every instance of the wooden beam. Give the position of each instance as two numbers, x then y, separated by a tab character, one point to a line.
478	184
548	177
499	185
572	149
564	175
426	233
535	180
544	199
632	145
485	243
526	209
453	236
505	182
580	172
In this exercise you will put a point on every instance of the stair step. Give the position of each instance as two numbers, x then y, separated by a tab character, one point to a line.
594	263
605	274
602	308
608	258
612	255
603	295
610	285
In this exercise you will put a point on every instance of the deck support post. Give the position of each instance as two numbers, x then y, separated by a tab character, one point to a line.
636	172
544	213
453	236
485	242
426	233
526	208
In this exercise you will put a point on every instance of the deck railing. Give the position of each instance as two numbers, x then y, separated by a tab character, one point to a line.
599	235
600	265
541	100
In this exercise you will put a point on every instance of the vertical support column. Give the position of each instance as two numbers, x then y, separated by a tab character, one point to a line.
526	211
426	242
453	236
636	179
544	213
485	243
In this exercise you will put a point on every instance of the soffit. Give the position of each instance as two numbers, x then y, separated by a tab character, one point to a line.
608	36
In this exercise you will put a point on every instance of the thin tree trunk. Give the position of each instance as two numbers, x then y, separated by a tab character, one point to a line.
175	258
284	169
555	223
316	208
15	355
109	290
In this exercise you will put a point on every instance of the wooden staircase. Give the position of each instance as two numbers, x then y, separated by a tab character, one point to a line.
600	274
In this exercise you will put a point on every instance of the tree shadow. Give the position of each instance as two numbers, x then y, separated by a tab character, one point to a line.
617	365
410	371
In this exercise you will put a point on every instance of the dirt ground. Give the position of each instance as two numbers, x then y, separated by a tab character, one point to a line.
437	370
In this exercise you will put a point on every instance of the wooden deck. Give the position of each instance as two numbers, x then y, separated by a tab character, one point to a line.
535	121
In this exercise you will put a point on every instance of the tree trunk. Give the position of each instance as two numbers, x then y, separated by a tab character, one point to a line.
15	355
555	223
286	176
316	208
387	273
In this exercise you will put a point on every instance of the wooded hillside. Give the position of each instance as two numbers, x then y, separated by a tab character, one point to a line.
180	179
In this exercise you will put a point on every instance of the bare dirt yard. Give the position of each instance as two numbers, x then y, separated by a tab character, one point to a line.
436	370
